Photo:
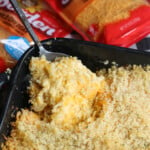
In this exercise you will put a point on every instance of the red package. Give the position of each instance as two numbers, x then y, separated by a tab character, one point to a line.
120	23
2	65
44	21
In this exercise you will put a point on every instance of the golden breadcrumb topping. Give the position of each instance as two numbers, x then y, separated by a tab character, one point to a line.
61	87
76	109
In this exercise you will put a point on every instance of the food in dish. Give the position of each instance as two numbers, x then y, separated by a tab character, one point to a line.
73	108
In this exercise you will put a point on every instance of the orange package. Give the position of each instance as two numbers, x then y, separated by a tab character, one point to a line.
15	40
115	22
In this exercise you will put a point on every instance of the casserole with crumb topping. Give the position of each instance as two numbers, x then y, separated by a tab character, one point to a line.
73	108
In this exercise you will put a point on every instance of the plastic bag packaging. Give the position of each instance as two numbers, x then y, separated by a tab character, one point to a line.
6	47
44	21
14	39
114	22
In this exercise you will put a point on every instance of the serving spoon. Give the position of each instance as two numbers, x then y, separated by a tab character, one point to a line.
42	51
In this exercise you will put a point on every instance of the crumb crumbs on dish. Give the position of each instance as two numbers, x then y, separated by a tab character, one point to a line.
76	109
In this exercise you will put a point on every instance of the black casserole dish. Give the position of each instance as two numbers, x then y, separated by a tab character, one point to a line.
14	95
